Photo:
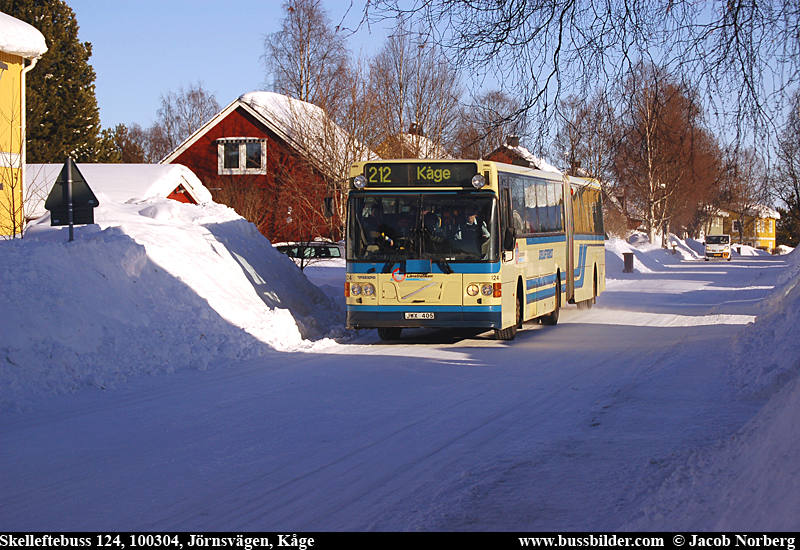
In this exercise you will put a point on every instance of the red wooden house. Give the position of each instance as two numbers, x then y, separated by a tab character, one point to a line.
273	159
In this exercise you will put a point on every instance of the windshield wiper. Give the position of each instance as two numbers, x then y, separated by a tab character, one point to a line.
440	261
388	267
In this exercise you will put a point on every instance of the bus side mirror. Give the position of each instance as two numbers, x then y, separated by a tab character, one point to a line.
327	207
509	238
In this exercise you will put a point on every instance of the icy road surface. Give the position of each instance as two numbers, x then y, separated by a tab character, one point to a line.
563	428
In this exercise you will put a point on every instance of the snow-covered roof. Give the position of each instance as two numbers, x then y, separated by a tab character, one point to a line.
20	38
538	162
119	182
307	127
760	211
715	212
764	212
302	125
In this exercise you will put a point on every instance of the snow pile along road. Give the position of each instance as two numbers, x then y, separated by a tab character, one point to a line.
155	286
751	478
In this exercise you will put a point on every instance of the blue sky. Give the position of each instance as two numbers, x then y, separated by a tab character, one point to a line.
144	48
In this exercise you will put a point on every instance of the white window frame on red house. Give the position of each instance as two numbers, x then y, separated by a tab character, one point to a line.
240	144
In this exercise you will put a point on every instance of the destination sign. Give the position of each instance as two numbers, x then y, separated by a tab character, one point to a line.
420	174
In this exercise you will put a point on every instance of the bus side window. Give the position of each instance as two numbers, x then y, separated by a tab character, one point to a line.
518	205
578	211
541	203
531	211
559	207
598	212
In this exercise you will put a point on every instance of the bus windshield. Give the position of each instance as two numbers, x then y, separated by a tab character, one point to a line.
438	227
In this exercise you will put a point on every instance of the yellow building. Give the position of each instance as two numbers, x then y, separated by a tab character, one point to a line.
21	46
757	227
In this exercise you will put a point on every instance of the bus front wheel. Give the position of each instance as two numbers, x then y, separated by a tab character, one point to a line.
511	332
389	333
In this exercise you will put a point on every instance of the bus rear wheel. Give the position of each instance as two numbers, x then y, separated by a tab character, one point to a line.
389	333
552	318
587	304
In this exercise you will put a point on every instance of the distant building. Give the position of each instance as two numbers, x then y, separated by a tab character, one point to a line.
411	145
119	182
21	45
274	160
754	227
511	152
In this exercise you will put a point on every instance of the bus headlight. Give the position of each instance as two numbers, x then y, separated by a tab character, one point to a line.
369	290
478	181
355	289
487	290
360	182
472	290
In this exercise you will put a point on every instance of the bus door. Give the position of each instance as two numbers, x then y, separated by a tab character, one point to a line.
505	225
569	233
508	245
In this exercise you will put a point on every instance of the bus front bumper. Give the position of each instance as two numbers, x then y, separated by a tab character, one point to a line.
422	316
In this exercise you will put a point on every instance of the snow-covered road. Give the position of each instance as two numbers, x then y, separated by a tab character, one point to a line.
566	427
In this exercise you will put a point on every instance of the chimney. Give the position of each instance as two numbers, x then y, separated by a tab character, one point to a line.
512	141
415	129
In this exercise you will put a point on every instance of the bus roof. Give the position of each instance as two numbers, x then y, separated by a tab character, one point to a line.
379	176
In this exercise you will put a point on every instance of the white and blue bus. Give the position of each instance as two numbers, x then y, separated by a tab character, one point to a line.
472	244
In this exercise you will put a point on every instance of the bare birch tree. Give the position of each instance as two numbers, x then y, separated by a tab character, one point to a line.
308	56
786	179
12	219
18	198
484	125
415	85
745	187
742	54
585	137
180	114
664	158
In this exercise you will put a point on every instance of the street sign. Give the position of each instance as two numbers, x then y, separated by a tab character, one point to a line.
71	202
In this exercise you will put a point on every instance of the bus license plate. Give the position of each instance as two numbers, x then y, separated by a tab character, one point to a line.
420	315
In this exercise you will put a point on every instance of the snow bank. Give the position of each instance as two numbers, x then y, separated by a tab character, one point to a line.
647	257
751	478
747	250
748	480
767	353
121	182
152	287
615	261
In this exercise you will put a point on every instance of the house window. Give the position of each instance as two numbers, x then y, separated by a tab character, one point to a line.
241	156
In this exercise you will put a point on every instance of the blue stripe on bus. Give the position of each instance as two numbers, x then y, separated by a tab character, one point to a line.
540	288
537	282
457	268
543	294
426	308
580	271
530	241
